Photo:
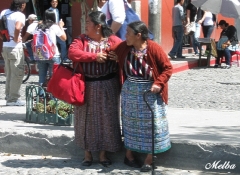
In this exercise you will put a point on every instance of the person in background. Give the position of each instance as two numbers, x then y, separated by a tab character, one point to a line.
115	14
33	23
63	46
12	52
144	66
208	22
228	42
54	30
178	21
100	4
194	15
96	124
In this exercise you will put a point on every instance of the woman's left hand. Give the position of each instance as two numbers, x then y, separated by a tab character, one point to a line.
112	56
155	89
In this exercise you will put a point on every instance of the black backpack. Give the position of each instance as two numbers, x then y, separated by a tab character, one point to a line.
4	28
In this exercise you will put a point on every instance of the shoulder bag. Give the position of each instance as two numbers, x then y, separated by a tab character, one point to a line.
68	85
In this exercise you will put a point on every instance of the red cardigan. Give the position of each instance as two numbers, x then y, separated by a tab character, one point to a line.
76	50
156	58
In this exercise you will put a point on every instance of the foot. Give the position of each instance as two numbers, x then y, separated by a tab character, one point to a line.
132	163
171	56
195	55
182	57
146	168
106	162
227	67
216	66
67	61
17	103
103	159
87	160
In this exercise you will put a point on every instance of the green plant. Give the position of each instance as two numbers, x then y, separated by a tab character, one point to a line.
54	106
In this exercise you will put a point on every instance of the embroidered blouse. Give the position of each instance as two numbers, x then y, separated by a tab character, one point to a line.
136	65
85	50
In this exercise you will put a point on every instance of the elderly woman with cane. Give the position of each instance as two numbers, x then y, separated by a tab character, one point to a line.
143	66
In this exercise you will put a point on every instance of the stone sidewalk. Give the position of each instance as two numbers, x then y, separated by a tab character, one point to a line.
204	107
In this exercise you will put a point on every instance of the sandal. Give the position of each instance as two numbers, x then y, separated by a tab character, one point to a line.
134	163
146	168
87	162
106	162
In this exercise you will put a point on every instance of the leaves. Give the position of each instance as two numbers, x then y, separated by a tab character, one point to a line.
55	106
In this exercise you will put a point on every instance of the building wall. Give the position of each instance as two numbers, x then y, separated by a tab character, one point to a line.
166	20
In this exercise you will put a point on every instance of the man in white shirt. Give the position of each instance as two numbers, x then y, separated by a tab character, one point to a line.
115	10
33	23
63	47
12	52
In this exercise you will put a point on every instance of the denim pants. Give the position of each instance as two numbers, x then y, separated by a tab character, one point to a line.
46	67
178	39
195	43
227	53
207	32
29	49
14	71
63	48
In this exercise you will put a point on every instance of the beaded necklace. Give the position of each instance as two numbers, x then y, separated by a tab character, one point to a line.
97	47
139	54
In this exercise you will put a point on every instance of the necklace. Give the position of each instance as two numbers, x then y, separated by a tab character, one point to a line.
139	54
95	46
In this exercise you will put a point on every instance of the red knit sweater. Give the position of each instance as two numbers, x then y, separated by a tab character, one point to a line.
156	58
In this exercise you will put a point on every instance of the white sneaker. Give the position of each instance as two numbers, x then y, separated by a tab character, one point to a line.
17	103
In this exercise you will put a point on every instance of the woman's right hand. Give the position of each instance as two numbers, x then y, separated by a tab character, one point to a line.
101	57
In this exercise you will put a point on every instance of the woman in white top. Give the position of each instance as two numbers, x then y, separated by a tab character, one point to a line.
208	22
54	30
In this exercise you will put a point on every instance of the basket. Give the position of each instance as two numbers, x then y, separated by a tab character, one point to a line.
43	108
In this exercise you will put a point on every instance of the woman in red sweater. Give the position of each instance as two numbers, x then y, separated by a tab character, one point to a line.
96	123
144	65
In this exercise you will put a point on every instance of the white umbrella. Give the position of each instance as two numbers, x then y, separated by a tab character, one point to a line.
227	8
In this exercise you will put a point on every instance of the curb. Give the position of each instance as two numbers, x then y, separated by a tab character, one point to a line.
182	155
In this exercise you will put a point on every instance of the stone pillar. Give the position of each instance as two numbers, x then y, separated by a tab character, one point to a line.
237	25
136	6
154	18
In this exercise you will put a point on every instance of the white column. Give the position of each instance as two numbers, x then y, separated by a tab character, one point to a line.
136	6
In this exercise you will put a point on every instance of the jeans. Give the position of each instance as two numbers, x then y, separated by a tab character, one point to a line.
46	66
63	48
29	48
227	53
196	45
178	39
207	32
14	71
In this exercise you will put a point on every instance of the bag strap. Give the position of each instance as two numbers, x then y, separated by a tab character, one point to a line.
5	15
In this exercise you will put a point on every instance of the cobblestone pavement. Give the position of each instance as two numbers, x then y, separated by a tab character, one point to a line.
206	88
12	164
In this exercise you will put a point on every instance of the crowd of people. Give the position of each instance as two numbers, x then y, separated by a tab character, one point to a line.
116	75
206	21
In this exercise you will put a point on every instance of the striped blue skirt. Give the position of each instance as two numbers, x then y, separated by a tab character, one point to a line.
137	119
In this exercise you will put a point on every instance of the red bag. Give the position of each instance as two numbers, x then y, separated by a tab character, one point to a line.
67	85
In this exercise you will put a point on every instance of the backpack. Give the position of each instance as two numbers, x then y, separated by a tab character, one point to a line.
42	45
4	28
